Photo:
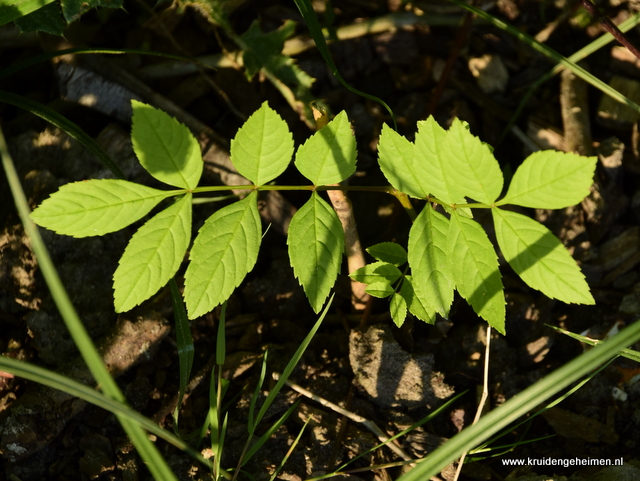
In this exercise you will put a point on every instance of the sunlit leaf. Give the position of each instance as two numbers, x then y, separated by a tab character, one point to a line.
96	207
329	155
539	258
224	251
397	159
262	148
474	266
165	147
551	180
430	269
153	255
316	243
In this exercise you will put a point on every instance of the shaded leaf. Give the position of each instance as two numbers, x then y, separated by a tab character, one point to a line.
397	159
96	207
264	50
551	180
153	255
389	252
398	308
329	155
165	147
428	246
417	302
224	251
539	258
474	266
316	243
379	289
263	147
376	272
47	19
72	9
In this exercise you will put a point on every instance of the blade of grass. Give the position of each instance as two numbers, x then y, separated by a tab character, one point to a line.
581	54
293	363
10	11
552	54
522	403
184	341
265	437
62	123
62	383
147	450
46	56
286	456
310	19
628	353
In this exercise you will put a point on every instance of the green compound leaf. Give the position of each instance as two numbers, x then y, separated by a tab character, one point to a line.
96	207
551	180
430	268
316	243
398	163
329	155
380	289
398	308
377	272
417	302
438	179
224	251
474	266
262	148
539	258
165	147
470	164
389	252
47	19
153	255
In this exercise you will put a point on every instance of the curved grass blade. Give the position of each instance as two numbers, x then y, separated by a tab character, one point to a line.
265	437
62	123
184	341
522	403
149	453
70	386
552	54
292	363
46	56
310	19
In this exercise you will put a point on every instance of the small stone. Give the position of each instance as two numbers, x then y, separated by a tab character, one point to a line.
392	376
490	73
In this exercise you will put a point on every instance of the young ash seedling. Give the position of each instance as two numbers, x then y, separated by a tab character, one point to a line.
446	251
